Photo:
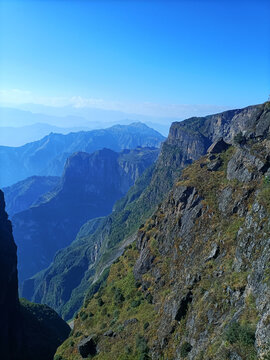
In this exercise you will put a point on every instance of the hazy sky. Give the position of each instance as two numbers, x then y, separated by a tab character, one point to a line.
155	57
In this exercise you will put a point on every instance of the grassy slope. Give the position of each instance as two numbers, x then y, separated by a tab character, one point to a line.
108	310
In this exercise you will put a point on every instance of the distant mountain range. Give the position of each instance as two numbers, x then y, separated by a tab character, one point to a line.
46	157
19	136
11	117
18	126
89	187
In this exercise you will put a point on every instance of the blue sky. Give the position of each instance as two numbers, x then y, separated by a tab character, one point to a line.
135	55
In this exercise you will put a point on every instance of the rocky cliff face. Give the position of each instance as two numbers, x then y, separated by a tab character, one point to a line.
195	285
28	331
90	185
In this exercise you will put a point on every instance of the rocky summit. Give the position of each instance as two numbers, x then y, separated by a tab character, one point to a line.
195	282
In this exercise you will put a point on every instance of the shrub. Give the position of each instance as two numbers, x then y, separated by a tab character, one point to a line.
128	349
135	303
83	315
120	328
144	356
185	349
100	302
142	348
113	322
264	196
149	298
104	311
266	180
77	334
232	334
242	334
118	297
57	357
146	325
239	138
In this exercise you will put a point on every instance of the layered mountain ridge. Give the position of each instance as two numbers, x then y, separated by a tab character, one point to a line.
47	157
28	192
96	249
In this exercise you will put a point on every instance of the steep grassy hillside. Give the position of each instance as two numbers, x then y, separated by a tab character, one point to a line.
195	284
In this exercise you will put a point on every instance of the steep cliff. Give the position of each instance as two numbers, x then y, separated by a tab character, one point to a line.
195	284
28	331
97	249
10	337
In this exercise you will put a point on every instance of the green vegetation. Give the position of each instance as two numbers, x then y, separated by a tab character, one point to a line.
142	348
131	311
196	270
239	138
117	298
44	330
264	196
185	349
240	333
58	357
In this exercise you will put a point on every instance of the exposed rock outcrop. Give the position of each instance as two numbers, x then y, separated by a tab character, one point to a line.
218	146
87	347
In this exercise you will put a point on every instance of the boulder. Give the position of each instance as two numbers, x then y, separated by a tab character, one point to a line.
87	346
130	321
213	253
218	146
214	165
109	333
